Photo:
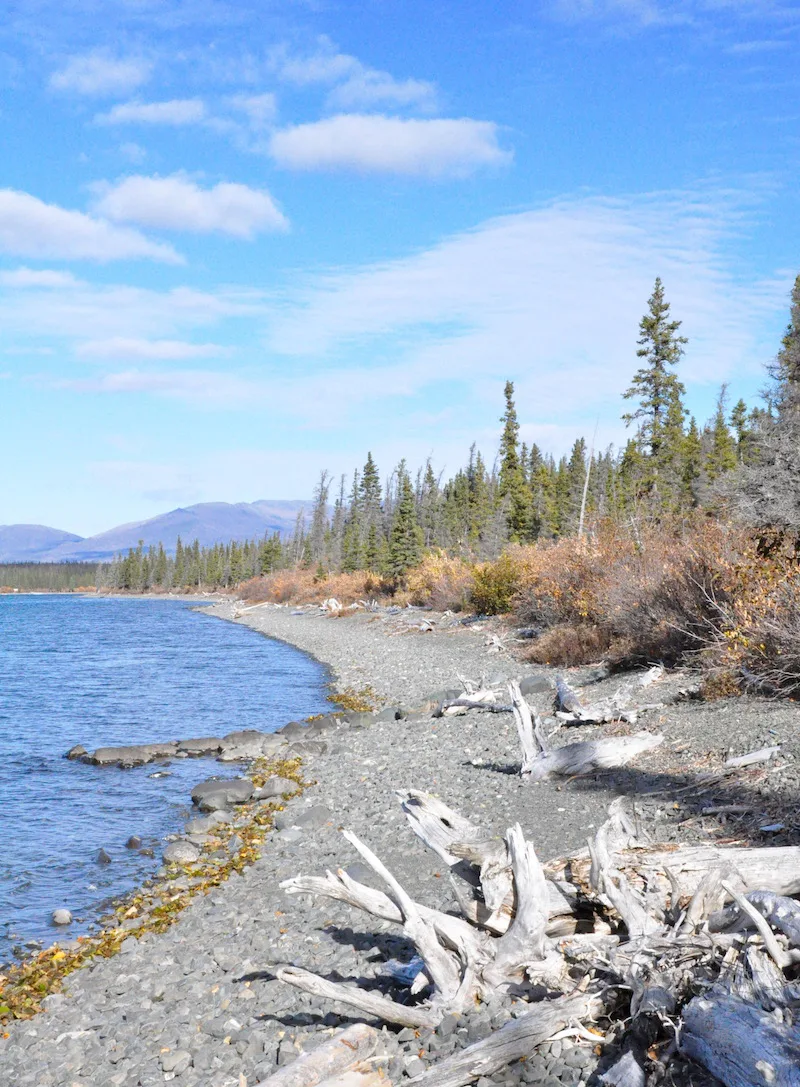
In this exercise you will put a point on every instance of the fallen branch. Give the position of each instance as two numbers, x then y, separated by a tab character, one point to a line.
344	1051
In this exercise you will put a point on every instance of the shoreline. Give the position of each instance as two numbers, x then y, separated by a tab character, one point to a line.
209	977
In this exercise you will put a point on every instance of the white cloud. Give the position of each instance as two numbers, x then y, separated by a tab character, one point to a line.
32	277
121	347
376	144
553	296
672	12
117	311
199	388
260	109
325	65
101	73
176	111
361	87
368	88
176	203
31	228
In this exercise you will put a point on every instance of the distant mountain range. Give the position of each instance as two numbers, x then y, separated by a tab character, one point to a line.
208	522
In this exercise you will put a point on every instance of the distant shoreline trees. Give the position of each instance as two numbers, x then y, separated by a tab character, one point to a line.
669	467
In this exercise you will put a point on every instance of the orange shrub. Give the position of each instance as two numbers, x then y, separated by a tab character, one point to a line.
305	587
653	597
440	581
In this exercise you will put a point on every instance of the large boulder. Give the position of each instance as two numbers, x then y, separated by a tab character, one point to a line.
136	755
240	746
276	786
181	853
537	684
201	745
293	730
217	793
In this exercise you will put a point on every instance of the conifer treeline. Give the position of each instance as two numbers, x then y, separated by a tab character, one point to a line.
668	466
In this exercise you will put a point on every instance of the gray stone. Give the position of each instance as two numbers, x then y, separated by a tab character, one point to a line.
540	684
306	818
216	793
360	720
136	755
390	713
292	730
181	853
243	736
276	786
76	752
62	917
176	1061
308	747
102	857
201	745
134	842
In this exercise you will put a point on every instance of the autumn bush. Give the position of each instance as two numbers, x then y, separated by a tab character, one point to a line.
658	594
441	582
299	586
754	641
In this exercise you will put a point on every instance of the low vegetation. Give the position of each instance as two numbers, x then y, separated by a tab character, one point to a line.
682	546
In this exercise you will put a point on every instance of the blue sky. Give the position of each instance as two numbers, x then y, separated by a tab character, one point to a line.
241	242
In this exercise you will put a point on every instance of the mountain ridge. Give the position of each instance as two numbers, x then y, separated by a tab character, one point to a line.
208	522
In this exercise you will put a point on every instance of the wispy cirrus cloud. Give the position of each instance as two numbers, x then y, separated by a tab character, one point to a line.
101	73
174	111
374	143
31	228
358	86
118	348
178	203
654	13
38	278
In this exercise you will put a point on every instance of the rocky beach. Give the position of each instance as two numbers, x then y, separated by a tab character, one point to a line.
200	1002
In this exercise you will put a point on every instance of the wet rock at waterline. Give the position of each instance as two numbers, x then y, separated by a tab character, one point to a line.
134	842
62	916
102	857
217	793
181	853
276	786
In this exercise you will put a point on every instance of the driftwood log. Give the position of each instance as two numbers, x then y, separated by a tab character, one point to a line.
539	760
698	942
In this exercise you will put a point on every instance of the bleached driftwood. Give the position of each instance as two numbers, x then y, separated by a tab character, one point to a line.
512	1042
539	761
764	754
590	755
333	1058
617	707
742	1044
667	939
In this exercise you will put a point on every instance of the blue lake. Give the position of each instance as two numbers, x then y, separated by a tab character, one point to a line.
103	671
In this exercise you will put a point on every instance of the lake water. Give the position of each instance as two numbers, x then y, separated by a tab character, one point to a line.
108	671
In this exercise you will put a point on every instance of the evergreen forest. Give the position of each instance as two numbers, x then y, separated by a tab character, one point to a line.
671	465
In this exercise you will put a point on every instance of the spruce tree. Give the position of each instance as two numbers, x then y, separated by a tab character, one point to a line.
655	384
405	541
720	455
511	481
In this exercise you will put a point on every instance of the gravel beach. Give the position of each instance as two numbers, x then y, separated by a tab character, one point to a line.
200	1004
